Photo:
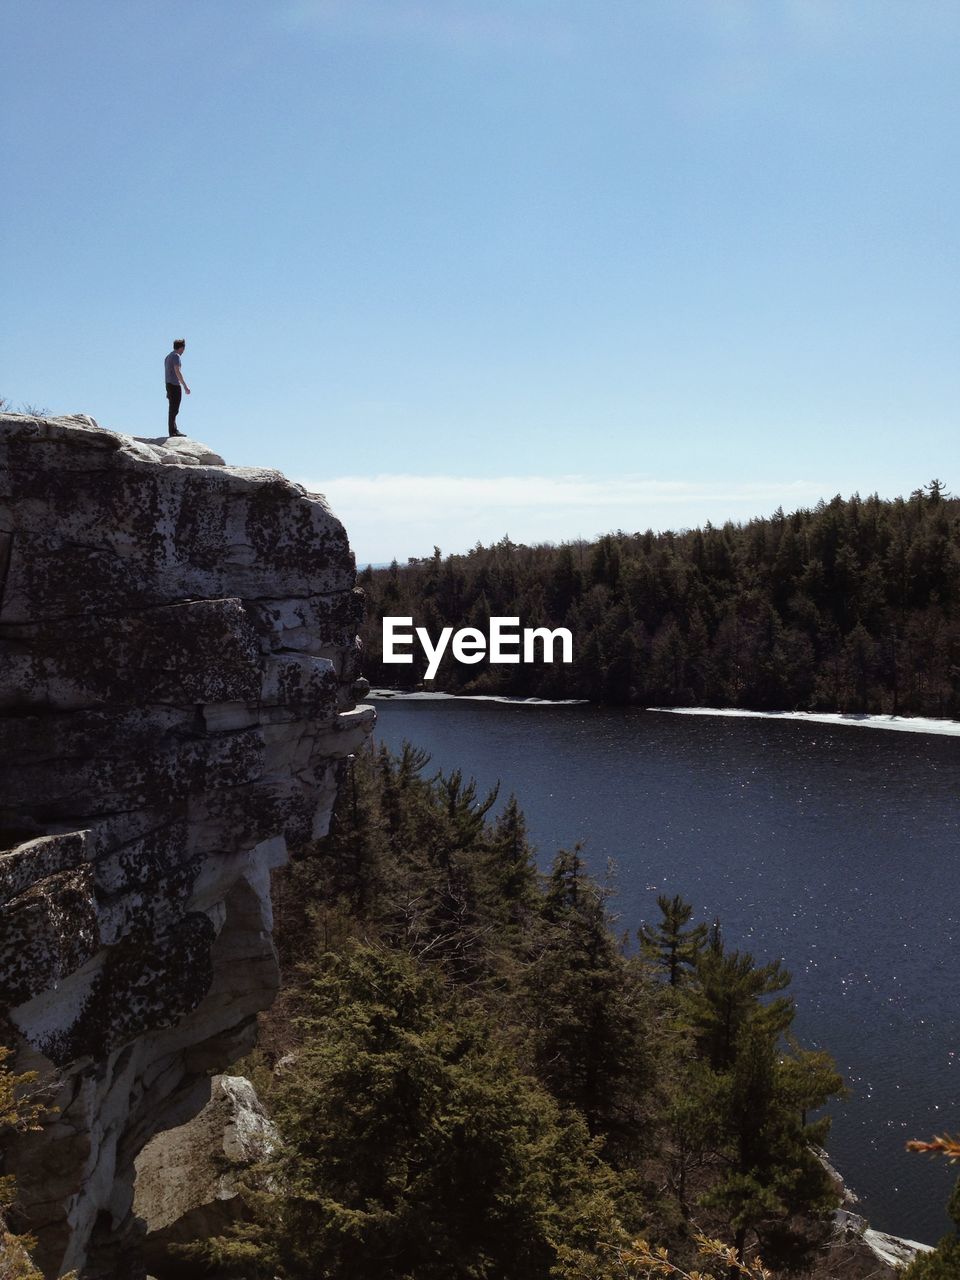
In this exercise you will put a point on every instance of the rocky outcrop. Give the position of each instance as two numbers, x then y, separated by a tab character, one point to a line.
189	1184
855	1250
178	661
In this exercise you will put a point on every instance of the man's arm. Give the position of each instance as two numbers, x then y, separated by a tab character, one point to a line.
182	382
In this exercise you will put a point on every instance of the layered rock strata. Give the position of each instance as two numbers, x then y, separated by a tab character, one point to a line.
178	665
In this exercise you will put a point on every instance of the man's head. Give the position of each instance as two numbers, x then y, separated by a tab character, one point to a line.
179	344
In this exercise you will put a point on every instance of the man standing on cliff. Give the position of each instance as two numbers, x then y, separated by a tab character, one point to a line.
175	385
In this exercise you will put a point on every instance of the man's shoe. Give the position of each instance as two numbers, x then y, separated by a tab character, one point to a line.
178	433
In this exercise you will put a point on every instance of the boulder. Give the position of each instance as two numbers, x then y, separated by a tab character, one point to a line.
188	1183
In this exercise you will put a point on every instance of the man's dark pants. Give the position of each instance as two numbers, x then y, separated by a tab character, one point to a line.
174	394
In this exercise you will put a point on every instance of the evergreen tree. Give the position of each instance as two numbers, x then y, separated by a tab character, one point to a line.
412	1147
511	869
773	1184
726	998
590	1012
670	944
756	1094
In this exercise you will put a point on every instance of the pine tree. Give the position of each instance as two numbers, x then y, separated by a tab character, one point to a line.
670	944
757	1094
412	1146
589	1012
510	867
726	998
773	1184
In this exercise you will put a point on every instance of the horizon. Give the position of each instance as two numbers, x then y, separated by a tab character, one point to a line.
677	531
499	485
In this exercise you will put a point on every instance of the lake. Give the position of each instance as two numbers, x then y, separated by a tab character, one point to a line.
832	847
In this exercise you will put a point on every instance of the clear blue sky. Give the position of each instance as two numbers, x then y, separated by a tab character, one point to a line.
470	267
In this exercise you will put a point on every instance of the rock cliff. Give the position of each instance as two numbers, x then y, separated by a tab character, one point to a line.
178	663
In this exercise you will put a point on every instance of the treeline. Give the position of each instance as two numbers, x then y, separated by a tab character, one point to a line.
474	1077
851	606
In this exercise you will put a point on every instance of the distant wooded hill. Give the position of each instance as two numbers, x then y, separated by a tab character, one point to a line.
851	606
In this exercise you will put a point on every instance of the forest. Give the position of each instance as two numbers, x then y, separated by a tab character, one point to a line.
474	1075
478	1072
851	607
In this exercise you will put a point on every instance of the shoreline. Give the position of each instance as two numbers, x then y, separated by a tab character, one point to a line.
424	695
850	719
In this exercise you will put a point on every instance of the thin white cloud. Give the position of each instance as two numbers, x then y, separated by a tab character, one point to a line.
451	492
390	516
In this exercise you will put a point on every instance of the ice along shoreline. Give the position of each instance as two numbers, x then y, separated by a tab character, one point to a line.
426	695
853	719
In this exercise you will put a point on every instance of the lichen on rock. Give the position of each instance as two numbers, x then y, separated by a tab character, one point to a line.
178	657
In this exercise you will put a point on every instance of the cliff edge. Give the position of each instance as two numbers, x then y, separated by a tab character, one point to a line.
178	660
